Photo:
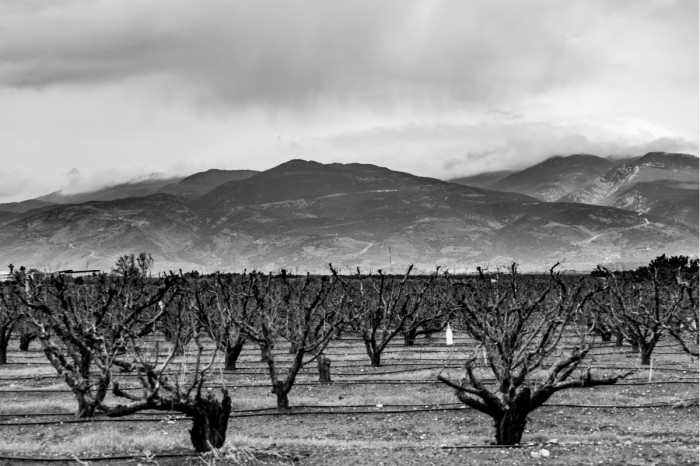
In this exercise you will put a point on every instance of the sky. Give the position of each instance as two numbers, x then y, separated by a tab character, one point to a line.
98	92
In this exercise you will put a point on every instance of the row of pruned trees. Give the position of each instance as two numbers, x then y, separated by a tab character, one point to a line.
641	306
96	327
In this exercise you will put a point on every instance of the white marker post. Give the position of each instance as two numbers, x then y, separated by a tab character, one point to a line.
448	336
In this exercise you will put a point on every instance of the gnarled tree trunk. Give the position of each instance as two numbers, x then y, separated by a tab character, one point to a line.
375	355
3	352
25	339
646	348
324	369
5	333
86	406
635	346
209	422
510	423
231	354
619	339
282	396
409	338
605	333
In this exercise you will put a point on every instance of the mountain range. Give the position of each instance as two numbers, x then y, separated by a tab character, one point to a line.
660	184
581	210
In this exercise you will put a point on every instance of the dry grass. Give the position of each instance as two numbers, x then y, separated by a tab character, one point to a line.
53	405
98	439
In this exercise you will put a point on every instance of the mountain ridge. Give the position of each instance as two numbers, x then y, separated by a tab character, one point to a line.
304	214
551	179
650	184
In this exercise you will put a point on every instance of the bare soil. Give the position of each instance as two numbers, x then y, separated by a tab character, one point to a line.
360	423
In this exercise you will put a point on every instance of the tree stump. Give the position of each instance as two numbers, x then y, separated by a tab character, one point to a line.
25	339
635	346
619	339
324	369
231	354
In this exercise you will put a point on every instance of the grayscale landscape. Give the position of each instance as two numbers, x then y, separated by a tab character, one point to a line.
317	232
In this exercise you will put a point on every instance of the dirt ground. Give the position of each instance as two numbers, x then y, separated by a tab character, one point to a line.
387	423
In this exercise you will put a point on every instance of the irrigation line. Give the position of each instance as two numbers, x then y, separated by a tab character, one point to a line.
386	360
331	412
254	410
40	358
395	346
342	408
478	447
386	356
337	350
251	410
370	371
364	382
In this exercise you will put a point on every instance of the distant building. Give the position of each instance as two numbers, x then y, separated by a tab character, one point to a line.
77	273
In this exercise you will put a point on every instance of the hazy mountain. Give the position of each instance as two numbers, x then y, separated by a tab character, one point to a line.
306	213
13	210
482	180
623	160
145	186
24	206
93	234
6	216
303	215
658	183
299	180
555	177
201	183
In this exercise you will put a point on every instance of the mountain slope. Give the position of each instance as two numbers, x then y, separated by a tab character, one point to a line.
201	183
6	216
555	177
306	213
658	183
94	234
24	206
482	180
303	215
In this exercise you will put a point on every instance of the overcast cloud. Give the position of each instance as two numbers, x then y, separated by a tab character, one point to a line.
120	88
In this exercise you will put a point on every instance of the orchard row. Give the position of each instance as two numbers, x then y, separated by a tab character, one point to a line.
91	328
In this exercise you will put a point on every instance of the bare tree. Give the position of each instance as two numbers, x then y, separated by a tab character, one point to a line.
11	315
183	392
178	322
518	324
86	324
383	307
301	311
28	332
87	331
431	314
687	320
642	307
220	302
